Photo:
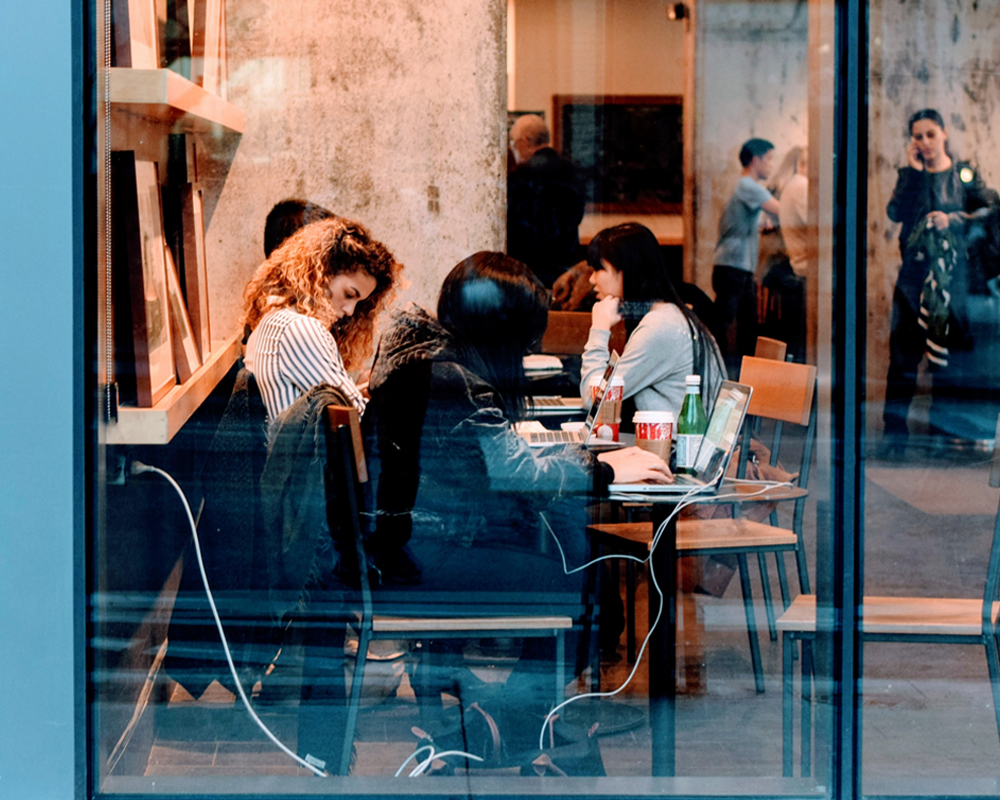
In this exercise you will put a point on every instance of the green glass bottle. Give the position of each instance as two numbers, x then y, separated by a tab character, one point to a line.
690	425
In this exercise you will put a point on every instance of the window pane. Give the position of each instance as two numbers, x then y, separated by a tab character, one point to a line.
510	602
928	712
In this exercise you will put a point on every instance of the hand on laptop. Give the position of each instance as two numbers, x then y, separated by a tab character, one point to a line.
632	465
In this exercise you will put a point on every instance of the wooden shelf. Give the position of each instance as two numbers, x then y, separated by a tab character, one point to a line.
163	96
159	424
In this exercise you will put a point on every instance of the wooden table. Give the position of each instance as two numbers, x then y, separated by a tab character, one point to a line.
662	649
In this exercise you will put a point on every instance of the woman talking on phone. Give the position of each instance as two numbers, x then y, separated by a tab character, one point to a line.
937	199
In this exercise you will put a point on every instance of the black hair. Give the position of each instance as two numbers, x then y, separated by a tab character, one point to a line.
497	310
286	218
633	250
926	113
754	148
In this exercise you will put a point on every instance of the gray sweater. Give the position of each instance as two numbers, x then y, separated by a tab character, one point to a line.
657	358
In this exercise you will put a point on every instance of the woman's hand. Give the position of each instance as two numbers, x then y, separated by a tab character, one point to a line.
632	464
605	314
939	219
913	157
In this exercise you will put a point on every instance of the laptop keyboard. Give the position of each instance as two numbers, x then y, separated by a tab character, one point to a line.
547	401
553	437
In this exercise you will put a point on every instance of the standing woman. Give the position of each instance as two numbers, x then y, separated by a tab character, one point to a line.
312	307
944	195
666	340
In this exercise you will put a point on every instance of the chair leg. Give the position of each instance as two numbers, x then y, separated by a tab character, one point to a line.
322	720
800	559
357	682
779	561
630	610
560	667
993	664
787	720
807	684
758	669
765	583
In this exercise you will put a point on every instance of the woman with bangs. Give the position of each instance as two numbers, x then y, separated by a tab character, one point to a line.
666	340
312	307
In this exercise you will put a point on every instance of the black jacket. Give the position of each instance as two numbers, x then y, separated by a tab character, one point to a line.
445	463
545	205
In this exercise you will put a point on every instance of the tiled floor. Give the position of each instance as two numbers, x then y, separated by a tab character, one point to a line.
927	710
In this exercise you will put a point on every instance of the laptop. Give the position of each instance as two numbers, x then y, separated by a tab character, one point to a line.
537	438
554	406
716	449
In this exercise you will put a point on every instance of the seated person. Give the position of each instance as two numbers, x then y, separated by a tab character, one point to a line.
666	340
311	307
458	492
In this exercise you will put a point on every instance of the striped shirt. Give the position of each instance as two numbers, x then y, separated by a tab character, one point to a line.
290	353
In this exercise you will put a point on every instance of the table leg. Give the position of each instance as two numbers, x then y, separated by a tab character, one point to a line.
663	645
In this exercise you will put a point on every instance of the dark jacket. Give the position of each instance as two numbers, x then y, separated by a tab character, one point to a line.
961	193
444	459
545	205
301	555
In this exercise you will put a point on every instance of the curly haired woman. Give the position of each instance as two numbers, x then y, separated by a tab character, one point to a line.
312	307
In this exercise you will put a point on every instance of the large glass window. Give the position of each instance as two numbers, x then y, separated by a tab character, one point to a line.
928	714
415	599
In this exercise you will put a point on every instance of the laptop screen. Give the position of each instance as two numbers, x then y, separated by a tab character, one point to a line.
723	428
602	390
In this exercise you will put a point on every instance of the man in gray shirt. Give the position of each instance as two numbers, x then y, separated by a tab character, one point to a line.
736	255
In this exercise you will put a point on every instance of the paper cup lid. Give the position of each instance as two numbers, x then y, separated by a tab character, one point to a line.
653	416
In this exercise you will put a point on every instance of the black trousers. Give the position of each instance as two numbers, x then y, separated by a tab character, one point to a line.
736	309
907	343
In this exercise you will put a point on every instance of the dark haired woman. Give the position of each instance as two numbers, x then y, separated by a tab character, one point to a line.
945	195
445	394
666	341
458	492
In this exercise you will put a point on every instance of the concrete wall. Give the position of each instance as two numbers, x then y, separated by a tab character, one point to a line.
751	80
372	108
593	47
924	53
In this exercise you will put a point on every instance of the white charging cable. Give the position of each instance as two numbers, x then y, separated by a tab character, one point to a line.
316	768
687	499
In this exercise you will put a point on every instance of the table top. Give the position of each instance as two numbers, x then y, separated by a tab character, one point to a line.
731	491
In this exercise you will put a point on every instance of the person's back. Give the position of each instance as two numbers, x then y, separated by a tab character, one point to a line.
545	203
736	254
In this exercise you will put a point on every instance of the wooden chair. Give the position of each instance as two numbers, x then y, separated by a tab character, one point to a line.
773	349
783	393
346	471
928	620
567	332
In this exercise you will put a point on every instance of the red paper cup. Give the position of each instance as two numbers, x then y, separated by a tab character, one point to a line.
654	431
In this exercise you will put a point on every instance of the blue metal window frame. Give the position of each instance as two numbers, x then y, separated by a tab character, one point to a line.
43	404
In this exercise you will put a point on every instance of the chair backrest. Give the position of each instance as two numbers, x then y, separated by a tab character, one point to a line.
993	568
346	471
781	391
567	332
774	349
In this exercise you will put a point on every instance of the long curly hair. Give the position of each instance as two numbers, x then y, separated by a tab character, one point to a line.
297	275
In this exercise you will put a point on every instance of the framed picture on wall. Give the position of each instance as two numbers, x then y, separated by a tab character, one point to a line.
206	28
185	349
144	359
629	148
136	31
